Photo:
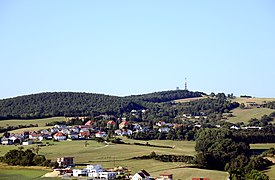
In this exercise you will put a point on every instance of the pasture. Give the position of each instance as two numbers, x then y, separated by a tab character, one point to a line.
24	173
244	115
114	155
256	100
39	122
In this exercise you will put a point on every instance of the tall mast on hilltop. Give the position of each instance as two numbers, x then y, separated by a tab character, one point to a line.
185	84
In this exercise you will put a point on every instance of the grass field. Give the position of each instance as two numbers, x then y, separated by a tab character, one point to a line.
119	155
24	173
256	100
271	172
189	99
244	115
40	122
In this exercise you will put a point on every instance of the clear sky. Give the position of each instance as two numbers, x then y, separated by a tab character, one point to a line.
133	47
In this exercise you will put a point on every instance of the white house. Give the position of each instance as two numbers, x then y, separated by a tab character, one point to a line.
107	175
164	129
234	127
26	143
141	175
80	172
94	170
6	141
73	135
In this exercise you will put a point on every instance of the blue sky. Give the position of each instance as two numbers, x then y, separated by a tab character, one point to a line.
133	47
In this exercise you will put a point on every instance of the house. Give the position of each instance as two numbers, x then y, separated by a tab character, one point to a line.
65	161
111	124
100	134
160	123
123	124
73	135
84	134
16	139
235	127
80	172
6	141
123	132
60	126
94	170
252	127
89	123
59	136
141	175
65	131
35	136
26	143
107	175
165	176
164	129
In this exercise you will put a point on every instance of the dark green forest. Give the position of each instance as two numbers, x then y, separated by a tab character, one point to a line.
83	104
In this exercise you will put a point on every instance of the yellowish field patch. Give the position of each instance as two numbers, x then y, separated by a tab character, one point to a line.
256	100
190	99
244	115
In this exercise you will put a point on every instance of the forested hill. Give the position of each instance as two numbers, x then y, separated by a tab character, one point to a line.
165	96
74	104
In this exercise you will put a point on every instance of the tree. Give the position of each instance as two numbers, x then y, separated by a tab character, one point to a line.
216	148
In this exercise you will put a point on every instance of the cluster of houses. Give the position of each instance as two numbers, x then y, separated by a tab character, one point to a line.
97	172
86	131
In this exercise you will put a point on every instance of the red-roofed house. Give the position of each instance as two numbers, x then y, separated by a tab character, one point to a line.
111	124
89	123
123	124
59	136
101	134
84	134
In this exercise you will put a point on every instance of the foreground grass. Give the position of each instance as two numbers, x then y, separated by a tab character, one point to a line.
244	115
40	122
24	173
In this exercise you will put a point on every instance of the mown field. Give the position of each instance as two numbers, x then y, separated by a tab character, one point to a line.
256	100
189	99
39	122
244	115
24	173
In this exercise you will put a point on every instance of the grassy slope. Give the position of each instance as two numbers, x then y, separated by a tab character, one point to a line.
256	100
271	172
40	122
244	115
115	155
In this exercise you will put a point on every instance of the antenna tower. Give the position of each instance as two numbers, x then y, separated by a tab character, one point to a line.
185	84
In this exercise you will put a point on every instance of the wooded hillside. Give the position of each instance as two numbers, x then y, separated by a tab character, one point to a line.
75	104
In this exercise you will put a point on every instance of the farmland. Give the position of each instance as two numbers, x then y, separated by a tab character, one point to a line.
120	154
244	115
39	122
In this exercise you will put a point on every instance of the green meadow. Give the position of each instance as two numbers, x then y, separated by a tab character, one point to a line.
244	115
39	122
114	155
